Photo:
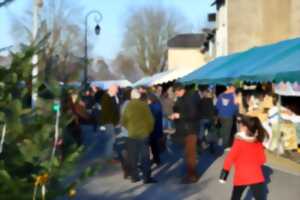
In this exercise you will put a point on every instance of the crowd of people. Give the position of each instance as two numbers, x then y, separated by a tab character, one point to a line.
142	119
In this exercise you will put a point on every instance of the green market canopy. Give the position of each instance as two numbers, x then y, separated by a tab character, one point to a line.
270	63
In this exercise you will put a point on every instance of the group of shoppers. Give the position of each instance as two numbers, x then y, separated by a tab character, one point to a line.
138	119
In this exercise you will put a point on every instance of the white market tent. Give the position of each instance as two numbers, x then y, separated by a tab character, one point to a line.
163	77
172	75
142	81
148	81
287	89
106	84
156	77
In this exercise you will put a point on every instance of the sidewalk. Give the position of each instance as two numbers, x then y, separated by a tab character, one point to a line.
283	164
109	184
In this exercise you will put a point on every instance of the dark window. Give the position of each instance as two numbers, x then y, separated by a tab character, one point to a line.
211	17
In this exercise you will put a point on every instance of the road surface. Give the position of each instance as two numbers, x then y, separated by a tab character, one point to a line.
109	184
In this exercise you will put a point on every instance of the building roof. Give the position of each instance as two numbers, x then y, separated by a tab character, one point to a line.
189	40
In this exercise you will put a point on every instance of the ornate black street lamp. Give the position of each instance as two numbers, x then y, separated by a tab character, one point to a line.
98	18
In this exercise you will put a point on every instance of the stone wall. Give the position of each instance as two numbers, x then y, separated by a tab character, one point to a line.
185	58
259	22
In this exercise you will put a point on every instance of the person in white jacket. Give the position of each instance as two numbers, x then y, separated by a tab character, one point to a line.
275	114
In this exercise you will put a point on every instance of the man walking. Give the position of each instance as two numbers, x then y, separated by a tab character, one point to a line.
110	115
110	107
206	116
138	120
186	122
227	109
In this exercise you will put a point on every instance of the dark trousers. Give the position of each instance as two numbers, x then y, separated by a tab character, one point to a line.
121	150
138	150
155	149
225	130
75	130
257	190
204	125
190	153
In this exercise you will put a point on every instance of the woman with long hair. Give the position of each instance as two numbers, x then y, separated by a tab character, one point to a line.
247	156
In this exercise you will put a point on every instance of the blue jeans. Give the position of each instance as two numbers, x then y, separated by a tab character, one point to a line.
205	125
138	150
167	124
120	148
110	131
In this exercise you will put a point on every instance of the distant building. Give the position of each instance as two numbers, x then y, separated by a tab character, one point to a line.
185	51
243	24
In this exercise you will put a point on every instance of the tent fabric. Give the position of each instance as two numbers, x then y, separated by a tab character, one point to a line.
277	62
142	81
148	81
287	89
106	84
158	77
172	75
163	77
202	75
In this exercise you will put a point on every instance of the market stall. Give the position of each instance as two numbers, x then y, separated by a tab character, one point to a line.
106	84
271	63
163	77
276	63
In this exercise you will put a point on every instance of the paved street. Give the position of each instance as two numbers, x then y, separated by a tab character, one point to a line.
109	183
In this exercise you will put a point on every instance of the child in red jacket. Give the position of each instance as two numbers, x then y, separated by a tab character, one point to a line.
247	156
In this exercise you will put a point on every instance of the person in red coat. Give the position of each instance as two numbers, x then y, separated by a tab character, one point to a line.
247	156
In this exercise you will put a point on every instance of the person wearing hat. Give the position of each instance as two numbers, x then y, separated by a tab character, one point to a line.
186	122
110	104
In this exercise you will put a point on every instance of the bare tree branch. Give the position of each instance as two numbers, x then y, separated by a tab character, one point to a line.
148	30
66	43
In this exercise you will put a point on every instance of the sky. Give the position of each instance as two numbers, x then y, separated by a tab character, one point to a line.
114	12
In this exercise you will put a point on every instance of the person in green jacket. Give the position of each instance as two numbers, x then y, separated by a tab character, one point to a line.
138	120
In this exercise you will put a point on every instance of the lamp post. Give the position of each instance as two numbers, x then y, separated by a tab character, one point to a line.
98	18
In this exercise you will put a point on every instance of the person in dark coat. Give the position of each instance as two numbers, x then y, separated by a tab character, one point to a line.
206	116
186	124
76	109
110	107
88	99
110	116
157	133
